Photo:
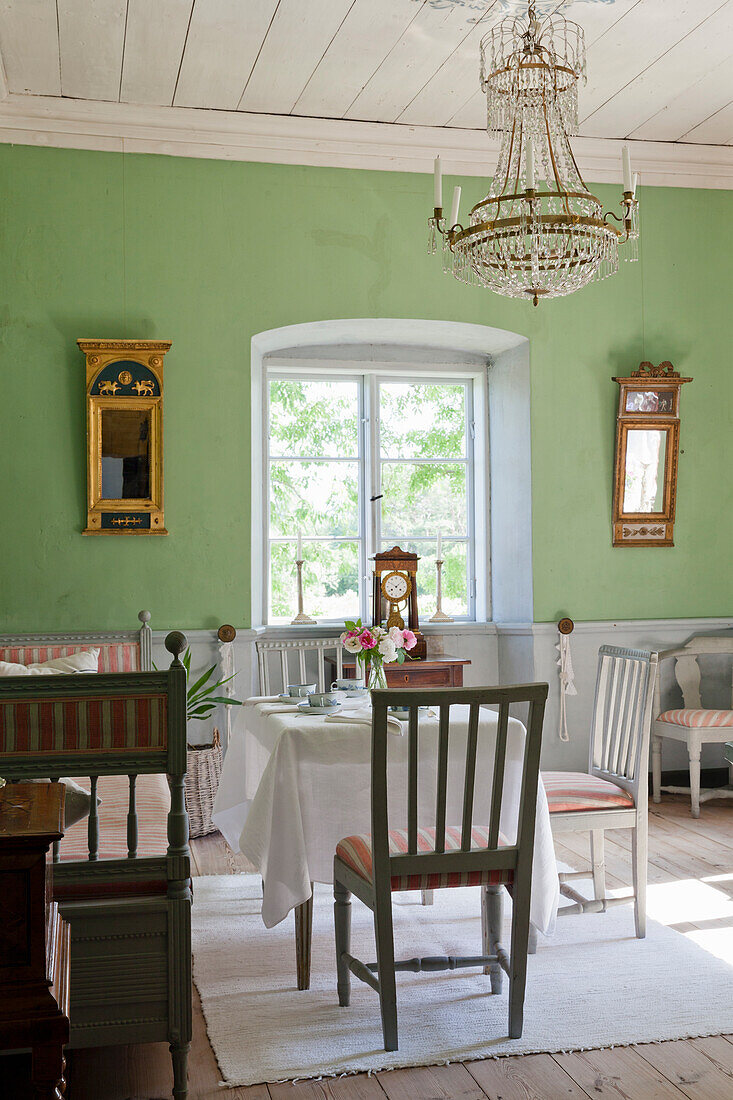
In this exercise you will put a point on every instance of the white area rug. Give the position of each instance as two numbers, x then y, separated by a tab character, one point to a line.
592	985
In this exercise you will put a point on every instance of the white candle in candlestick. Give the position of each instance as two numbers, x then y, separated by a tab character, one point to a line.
437	184
455	206
626	162
299	551
439	554
529	164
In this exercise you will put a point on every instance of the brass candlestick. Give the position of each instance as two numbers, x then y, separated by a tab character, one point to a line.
301	619
440	615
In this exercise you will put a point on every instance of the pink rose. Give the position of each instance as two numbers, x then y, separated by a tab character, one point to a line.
367	639
409	639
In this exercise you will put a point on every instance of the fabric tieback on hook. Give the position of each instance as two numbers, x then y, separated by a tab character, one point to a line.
567	675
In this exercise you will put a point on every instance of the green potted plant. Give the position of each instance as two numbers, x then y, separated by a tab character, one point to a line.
204	761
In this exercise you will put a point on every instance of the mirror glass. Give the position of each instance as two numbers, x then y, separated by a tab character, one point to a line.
646	453
650	401
125	454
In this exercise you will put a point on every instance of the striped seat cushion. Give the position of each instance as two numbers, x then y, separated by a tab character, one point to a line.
697	719
356	852
580	791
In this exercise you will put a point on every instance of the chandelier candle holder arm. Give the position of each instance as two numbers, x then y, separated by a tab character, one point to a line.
539	232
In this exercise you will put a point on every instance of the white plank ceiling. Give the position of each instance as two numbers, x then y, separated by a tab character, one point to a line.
658	70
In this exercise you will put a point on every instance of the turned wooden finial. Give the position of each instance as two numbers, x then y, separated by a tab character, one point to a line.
175	643
144	616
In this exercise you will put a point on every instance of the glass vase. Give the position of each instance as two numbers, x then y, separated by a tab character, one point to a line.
377	676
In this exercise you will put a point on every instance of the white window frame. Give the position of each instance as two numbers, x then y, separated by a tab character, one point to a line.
477	465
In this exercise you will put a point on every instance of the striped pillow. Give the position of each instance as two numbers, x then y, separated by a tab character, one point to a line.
356	852
698	719
580	791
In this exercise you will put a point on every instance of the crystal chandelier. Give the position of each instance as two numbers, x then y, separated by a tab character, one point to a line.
539	232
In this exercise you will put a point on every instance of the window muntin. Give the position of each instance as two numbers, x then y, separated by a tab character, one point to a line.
334	445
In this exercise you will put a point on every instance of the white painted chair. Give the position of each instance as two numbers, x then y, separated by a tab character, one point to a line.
693	724
614	792
304	650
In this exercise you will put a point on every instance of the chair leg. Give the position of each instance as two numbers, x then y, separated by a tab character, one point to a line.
342	925
518	965
428	897
656	768
492	911
385	967
532	941
695	778
639	839
179	1057
598	863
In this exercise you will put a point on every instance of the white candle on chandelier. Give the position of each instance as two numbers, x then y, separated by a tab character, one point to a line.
529	164
437	184
455	206
299	551
626	162
439	554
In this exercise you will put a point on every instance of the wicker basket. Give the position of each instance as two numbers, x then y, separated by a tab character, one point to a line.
202	783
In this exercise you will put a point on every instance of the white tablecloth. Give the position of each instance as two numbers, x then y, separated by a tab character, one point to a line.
292	786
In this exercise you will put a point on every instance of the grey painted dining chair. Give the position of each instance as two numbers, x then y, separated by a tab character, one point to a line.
422	857
614	792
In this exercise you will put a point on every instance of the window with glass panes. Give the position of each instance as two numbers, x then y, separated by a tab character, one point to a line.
362	462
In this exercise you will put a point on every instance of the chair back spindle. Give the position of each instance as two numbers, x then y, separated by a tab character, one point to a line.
303	648
495	853
622	717
93	820
132	820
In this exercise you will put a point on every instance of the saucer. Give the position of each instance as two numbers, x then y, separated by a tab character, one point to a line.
296	700
306	708
404	712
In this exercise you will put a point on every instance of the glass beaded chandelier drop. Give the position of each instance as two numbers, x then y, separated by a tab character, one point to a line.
539	233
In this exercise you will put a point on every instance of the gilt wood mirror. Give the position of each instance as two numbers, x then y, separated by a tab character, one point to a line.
124	436
647	447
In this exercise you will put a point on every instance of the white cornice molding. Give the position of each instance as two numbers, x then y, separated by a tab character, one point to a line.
339	143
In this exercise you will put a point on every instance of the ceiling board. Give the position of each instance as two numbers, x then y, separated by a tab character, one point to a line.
91	43
428	41
370	30
156	34
224	39
719	123
633	44
286	59
29	44
691	107
681	66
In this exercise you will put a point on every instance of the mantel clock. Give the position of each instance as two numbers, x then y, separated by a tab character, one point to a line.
647	446
395	593
124	385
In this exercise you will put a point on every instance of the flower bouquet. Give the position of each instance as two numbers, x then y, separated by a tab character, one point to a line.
374	647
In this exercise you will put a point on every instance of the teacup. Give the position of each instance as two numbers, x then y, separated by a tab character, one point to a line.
299	691
357	690
323	699
351	687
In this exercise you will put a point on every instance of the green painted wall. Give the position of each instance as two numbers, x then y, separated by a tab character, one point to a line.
206	253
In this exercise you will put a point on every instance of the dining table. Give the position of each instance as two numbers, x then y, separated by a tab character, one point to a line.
293	784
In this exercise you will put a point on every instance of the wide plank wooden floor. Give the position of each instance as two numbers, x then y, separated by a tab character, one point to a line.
680	848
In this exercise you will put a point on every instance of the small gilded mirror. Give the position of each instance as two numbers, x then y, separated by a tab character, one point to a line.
647	445
124	436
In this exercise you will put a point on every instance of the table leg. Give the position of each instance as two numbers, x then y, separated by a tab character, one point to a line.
47	1071
303	936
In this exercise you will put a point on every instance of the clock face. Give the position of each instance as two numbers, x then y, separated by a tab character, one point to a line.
395	586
